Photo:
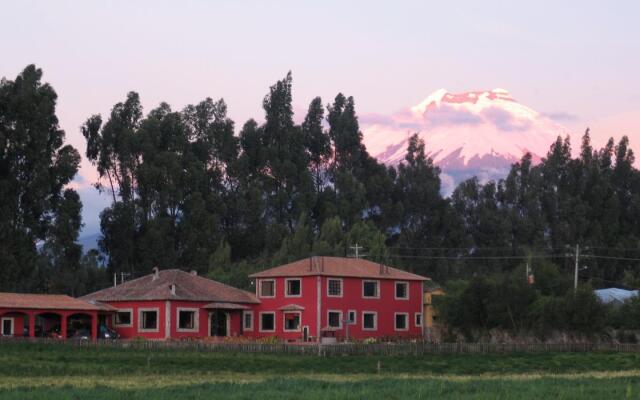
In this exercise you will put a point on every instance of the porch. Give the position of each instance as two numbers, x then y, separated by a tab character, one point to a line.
50	316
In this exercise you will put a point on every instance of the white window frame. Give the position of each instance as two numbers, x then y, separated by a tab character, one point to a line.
353	321
340	320
286	287
284	321
196	319
375	321
341	287
415	319
13	326
140	321
244	316
123	310
377	282
274	321
260	288
395	290
395	322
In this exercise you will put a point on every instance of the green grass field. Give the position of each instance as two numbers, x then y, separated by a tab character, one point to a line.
51	372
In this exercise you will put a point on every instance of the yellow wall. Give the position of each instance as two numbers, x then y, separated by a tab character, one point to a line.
429	311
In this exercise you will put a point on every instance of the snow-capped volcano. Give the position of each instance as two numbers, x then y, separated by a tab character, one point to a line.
473	133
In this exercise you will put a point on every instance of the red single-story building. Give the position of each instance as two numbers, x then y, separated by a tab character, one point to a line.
173	304
43	315
309	299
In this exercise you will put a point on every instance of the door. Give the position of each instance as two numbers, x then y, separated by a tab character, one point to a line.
7	326
218	323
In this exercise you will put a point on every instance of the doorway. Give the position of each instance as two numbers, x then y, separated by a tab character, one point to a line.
218	323
7	327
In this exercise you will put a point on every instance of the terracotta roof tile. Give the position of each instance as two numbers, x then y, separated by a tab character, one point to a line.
188	287
47	302
340	267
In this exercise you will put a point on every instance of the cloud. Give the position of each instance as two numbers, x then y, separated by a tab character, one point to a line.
446	115
561	116
505	121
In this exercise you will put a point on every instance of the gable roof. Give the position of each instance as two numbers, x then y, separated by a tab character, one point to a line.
189	287
339	267
48	302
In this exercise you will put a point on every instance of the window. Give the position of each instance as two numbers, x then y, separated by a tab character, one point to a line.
292	321
351	317
268	288
294	287
267	322
369	321
370	289
148	320
334	319
401	321
247	321
187	319
334	287
418	318
402	290
123	318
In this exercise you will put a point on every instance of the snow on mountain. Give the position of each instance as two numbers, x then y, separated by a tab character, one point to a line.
473	133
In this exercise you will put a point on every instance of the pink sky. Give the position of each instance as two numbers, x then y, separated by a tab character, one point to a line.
575	61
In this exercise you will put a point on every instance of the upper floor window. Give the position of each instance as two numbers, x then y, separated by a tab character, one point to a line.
294	287
334	287
370	289
402	290
267	288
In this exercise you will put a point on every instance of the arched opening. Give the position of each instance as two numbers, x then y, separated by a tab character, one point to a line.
49	325
14	324
79	326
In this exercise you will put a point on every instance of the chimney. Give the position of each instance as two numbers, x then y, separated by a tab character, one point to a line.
172	287
156	273
194	272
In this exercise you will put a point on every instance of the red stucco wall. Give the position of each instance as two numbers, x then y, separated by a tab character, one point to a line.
386	306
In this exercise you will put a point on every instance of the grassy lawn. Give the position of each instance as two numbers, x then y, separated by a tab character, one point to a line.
51	372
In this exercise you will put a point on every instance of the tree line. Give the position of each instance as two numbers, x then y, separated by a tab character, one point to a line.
190	190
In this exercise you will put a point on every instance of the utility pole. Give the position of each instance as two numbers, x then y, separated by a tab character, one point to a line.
575	274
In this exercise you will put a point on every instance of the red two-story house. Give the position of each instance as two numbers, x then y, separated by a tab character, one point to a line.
335	297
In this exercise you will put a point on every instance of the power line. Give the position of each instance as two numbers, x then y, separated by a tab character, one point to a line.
479	257
610	257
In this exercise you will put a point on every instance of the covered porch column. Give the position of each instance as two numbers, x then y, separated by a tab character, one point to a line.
94	325
64	325
32	323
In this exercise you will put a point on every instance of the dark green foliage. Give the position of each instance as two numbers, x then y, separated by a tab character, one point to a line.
35	166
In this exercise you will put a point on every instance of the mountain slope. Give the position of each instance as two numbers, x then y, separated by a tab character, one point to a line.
473	133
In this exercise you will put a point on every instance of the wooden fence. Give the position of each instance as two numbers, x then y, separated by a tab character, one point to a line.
389	349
